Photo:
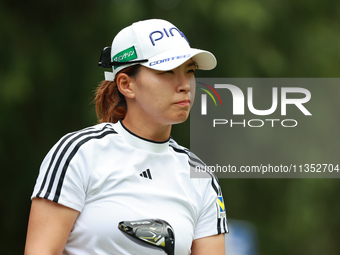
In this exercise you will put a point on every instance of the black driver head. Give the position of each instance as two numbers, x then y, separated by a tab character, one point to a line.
155	232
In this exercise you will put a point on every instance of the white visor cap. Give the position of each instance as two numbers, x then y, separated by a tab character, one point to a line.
159	43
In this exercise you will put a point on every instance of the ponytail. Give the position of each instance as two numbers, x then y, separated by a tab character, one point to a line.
110	103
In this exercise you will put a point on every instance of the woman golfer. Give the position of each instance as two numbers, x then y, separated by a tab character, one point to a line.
128	168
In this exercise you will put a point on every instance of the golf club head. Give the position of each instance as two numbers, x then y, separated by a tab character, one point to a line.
151	232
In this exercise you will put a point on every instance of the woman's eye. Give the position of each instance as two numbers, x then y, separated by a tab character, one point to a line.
191	71
166	72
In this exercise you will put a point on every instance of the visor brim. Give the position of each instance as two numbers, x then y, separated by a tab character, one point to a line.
169	60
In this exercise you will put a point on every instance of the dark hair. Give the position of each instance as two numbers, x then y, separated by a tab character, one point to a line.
110	103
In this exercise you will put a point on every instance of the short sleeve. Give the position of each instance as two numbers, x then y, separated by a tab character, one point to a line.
212	219
62	175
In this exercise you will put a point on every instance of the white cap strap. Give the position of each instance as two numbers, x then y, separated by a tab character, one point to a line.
109	76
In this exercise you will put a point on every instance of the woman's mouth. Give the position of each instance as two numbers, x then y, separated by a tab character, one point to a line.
184	102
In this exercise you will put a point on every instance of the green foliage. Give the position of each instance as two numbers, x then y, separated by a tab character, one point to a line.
48	73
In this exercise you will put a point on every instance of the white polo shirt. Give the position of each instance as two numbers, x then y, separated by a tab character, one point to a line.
110	175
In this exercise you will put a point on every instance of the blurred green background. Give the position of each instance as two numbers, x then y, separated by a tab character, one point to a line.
49	52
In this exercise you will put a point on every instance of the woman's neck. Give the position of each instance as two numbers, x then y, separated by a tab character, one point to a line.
146	129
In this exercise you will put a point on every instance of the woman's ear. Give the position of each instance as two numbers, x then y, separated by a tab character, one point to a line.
125	85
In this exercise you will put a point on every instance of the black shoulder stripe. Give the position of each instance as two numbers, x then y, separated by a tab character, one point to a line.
225	225
55	154
58	159
51	162
213	184
71	155
219	230
196	161
192	157
178	150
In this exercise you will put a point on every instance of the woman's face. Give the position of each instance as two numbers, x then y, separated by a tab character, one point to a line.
165	97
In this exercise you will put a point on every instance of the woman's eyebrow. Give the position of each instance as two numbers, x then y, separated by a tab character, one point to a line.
192	64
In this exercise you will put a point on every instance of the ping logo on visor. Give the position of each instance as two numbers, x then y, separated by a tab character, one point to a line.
220	207
125	55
